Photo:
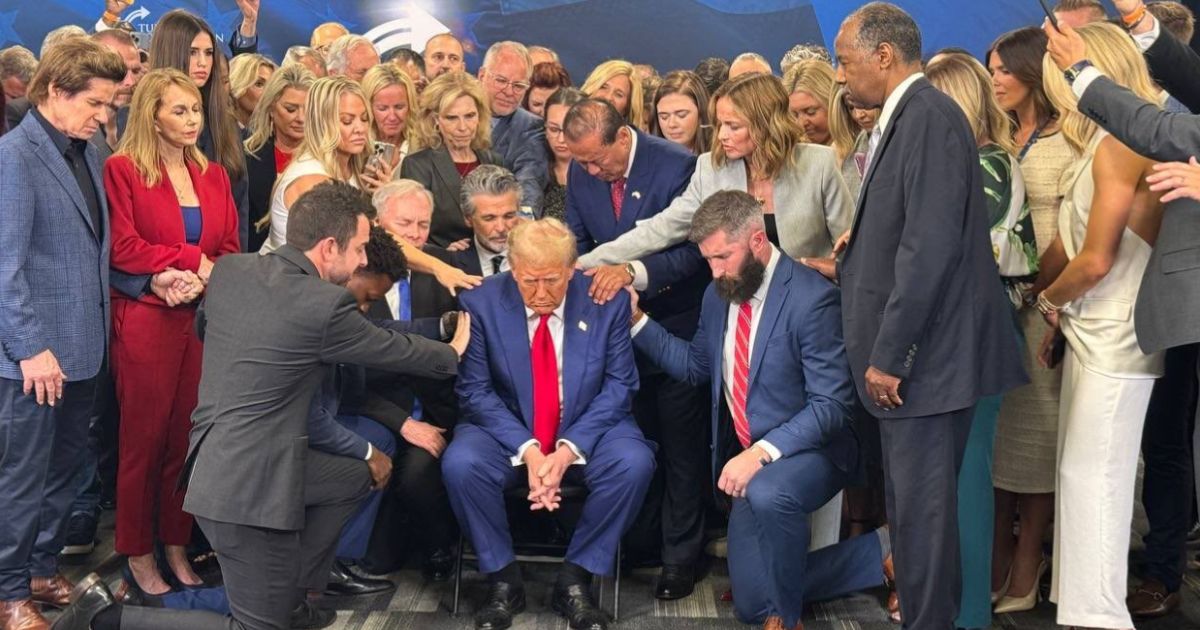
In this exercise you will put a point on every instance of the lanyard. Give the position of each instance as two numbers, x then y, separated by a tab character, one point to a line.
1032	140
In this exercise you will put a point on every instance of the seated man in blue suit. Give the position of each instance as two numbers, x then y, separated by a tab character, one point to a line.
619	177
546	384
770	345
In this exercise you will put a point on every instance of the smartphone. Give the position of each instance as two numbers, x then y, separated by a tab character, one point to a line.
1049	14
384	152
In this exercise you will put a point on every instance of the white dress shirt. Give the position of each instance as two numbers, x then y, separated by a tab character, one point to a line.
486	256
893	101
727	347
556	326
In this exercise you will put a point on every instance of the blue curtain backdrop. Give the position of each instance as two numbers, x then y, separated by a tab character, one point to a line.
668	34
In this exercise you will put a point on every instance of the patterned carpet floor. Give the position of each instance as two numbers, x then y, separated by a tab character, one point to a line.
417	605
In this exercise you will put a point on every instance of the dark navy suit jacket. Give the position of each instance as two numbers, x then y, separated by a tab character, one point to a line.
800	392
495	383
677	275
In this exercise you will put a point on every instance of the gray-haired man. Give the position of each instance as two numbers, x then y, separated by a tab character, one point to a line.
490	202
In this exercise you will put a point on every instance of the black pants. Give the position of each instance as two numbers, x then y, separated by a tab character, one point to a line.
1167	449
267	571
675	416
415	513
921	458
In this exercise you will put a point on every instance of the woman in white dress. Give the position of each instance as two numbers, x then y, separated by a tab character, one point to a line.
1091	274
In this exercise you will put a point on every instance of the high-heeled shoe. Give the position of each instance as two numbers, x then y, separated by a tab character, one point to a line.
130	592
1010	604
997	595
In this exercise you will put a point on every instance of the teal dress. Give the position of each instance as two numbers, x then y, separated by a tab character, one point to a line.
1016	257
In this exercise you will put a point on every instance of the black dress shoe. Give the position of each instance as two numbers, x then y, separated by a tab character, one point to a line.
306	616
439	566
344	582
675	582
574	602
505	600
88	598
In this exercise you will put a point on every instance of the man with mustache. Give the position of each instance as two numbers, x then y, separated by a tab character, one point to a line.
770	347
490	195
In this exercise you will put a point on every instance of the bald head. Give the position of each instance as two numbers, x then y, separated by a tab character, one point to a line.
443	53
325	34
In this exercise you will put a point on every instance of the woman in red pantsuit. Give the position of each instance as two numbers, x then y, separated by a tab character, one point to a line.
171	209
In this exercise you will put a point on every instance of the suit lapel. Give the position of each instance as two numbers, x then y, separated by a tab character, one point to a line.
93	161
56	164
716	348
516	347
576	344
641	176
444	167
777	294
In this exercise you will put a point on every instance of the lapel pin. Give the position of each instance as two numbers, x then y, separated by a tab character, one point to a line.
582	325
637	195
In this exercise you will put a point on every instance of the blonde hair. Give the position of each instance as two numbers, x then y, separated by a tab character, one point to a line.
545	241
140	141
814	77
243	72
322	126
1113	53
441	94
761	100
261	126
384	76
965	80
843	129
614	68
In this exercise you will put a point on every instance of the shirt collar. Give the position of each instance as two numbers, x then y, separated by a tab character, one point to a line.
893	100
760	295
632	151
61	142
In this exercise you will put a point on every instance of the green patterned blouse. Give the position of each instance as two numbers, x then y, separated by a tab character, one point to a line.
1013	241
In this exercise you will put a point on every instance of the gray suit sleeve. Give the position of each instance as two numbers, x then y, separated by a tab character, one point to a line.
1140	125
352	338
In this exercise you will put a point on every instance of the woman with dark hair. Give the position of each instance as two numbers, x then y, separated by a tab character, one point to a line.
1023	464
680	111
186	43
554	201
547	78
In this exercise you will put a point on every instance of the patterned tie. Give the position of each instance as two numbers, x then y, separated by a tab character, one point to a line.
497	261
741	374
872	144
546	410
618	197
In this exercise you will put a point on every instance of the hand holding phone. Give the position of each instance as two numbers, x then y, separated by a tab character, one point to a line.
1050	14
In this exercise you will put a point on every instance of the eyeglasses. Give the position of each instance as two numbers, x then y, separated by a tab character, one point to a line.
503	84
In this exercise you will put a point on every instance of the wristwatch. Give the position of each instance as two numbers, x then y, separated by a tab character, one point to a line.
629	269
1072	73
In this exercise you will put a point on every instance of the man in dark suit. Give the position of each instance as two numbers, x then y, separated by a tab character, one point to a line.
928	331
517	135
54	316
619	177
547	384
770	348
1169	295
271	506
490	205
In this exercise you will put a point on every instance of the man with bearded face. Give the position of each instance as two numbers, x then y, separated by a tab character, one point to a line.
770	346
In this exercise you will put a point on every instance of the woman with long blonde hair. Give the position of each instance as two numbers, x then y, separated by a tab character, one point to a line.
849	138
454	136
761	150
276	131
393	96
1090	277
170	208
810	87
966	81
248	76
616	82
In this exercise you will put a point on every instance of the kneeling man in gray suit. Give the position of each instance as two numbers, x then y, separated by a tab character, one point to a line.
273	326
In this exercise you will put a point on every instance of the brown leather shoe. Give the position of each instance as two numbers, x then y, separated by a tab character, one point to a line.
1151	600
893	599
52	591
22	615
776	623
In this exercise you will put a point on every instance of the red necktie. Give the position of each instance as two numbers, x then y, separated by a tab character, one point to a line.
545	387
741	374
618	196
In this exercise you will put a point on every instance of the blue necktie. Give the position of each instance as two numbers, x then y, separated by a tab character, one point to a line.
405	309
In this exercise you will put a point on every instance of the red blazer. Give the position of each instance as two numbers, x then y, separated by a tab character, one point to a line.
147	223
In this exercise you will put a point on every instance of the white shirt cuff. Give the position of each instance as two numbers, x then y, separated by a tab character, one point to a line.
1084	80
519	458
101	26
773	452
637	328
1147	39
579	458
370	451
641	279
